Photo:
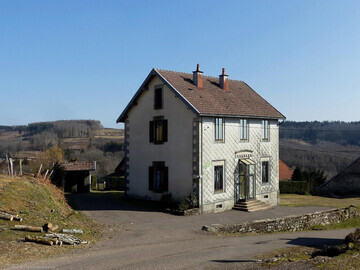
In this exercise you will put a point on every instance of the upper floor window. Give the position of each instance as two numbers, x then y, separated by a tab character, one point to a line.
158	130
219	129
158	98
244	130
158	177
265	130
265	172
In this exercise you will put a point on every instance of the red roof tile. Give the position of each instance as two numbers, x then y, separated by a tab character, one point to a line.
79	166
285	172
239	100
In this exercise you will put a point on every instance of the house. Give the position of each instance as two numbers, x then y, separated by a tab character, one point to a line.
285	173
347	182
213	137
76	176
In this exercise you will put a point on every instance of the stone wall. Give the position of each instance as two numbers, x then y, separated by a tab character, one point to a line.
289	223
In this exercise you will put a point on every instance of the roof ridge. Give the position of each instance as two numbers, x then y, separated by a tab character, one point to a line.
204	76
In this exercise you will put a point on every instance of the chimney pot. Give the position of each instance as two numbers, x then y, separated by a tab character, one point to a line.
224	80
198	77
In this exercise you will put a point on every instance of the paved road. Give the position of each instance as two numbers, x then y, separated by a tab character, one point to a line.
142	238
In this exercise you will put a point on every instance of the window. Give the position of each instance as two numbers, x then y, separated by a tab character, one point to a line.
265	172
243	130
158	99
158	177
158	130
265	130
219	129
219	178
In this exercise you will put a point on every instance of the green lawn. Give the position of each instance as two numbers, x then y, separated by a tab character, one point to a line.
308	200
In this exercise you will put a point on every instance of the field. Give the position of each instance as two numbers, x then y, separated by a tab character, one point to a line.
308	200
37	202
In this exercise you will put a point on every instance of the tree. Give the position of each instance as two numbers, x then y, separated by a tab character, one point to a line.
297	174
52	156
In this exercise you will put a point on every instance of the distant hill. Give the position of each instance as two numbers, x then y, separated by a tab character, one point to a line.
83	140
329	146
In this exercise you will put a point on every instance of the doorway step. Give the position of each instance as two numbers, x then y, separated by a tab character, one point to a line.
251	206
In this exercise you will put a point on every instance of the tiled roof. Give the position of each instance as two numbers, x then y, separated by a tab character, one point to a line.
285	172
239	100
79	166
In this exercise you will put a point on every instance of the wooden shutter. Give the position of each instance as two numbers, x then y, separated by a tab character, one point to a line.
151	131
166	179
165	131
151	178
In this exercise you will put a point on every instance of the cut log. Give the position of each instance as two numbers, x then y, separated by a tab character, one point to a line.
9	216
6	217
74	231
28	228
39	240
50	227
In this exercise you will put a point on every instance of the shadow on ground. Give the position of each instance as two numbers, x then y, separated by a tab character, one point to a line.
110	200
314	242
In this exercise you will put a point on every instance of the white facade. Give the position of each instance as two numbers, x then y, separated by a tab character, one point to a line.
213	152
176	152
191	152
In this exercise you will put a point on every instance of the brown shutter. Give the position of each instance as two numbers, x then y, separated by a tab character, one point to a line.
151	178
166	179
165	131
151	131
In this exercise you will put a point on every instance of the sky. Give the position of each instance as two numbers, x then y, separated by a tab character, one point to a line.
86	59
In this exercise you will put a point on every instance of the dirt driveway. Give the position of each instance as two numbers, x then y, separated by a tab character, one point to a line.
140	237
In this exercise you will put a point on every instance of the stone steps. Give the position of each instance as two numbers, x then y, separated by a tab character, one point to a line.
251	206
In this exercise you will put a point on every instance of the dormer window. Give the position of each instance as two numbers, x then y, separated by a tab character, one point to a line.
158	98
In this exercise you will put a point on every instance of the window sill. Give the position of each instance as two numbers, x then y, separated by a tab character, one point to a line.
219	191
265	140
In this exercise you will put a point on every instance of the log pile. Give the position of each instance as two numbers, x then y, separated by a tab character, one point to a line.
9	216
67	239
28	228
43	240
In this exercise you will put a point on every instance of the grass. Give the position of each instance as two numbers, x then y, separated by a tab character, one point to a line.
37	202
301	258
308	200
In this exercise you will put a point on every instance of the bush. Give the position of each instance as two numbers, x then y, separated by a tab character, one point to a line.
294	187
189	202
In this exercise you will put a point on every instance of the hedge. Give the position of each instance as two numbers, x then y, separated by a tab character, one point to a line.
294	187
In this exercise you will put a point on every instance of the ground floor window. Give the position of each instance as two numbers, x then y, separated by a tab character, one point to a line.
219	176
158	177
265	171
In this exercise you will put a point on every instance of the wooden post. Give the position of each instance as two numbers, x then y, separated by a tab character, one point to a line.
39	171
8	163
90	181
20	163
47	171
52	171
11	167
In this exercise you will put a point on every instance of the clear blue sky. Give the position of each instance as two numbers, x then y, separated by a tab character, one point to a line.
85	59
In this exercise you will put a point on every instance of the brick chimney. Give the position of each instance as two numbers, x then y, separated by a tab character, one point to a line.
224	80
198	77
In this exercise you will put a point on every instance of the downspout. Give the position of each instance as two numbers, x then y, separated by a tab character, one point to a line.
201	169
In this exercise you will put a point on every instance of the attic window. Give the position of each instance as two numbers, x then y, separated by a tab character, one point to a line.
158	98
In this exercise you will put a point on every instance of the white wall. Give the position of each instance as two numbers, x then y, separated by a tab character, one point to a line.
214	151
176	152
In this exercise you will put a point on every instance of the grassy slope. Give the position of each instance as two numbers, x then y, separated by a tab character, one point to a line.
37	202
